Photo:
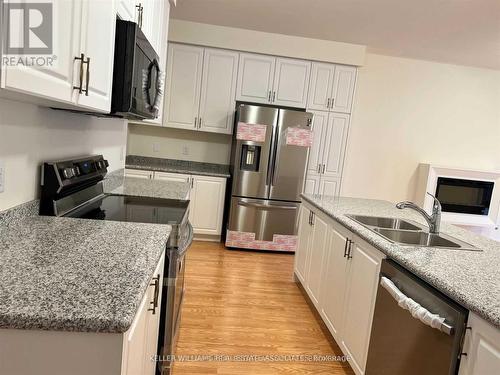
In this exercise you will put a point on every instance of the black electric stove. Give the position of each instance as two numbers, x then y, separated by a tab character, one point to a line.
73	188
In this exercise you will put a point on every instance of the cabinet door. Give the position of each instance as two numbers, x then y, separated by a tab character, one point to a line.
362	282
311	183
329	186
343	88
183	83
153	17
319	240
142	337
52	82
482	345
335	144
98	45
320	90
334	280
218	90
139	173
291	82
153	319
126	10
302	252
320	130
255	78
148	16
207	204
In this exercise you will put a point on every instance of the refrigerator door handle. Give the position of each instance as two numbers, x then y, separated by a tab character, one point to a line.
266	207
276	154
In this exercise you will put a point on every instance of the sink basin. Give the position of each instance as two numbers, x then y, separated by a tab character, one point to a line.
424	239
386	222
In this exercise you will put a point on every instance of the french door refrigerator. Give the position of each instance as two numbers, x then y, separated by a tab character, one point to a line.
268	164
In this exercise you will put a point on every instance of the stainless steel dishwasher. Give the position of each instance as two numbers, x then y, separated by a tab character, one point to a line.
401	343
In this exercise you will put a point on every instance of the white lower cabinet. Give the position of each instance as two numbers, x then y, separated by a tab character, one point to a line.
138	173
482	348
140	341
207	204
339	272
44	352
206	195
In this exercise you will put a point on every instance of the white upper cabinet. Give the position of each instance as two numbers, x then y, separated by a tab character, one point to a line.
52	82
343	88
184	72
334	144
255	78
291	82
98	46
126	10
218	89
152	21
201	86
82	74
332	87
320	92
271	80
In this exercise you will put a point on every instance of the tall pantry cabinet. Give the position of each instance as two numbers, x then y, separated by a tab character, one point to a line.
330	99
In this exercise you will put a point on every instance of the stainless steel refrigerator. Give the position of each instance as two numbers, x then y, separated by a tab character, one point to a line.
268	177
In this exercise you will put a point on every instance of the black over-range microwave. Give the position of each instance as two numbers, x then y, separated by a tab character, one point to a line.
137	78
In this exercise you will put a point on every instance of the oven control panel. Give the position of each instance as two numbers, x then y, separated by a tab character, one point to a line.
69	170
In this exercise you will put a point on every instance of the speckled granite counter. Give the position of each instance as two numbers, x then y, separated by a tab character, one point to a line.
116	183
74	274
471	278
177	166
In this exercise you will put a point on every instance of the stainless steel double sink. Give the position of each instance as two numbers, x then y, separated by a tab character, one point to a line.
410	233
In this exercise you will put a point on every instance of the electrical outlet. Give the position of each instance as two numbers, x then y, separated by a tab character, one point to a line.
185	150
156	147
2	177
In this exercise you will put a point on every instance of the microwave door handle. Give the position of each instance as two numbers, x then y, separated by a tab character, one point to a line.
406	303
147	85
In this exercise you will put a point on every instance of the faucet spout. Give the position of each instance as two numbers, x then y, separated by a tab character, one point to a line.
434	220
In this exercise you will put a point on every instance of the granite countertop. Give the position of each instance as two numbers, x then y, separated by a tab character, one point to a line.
471	278
177	166
118	184
74	274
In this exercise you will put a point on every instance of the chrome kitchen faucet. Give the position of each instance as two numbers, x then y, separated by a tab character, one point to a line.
434	220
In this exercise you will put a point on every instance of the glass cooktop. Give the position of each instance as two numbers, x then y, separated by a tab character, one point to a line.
133	209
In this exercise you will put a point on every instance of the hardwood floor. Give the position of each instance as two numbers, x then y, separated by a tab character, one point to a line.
246	303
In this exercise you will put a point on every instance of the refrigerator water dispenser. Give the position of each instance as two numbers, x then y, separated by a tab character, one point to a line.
250	158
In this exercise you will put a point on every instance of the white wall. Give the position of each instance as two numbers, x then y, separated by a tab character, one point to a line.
269	43
170	143
30	134
412	111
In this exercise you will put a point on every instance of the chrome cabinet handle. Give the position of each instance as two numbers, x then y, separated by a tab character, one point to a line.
269	96
319	168
274	96
328	103
192	182
80	87
323	168
349	252
195	122
345	247
88	76
140	10
199	122
312	218
154	302
331	102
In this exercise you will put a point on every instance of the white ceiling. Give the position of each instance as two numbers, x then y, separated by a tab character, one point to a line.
464	32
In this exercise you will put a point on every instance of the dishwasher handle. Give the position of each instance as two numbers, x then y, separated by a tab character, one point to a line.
416	310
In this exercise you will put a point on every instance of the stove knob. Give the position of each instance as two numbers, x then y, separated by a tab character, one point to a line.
68	172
